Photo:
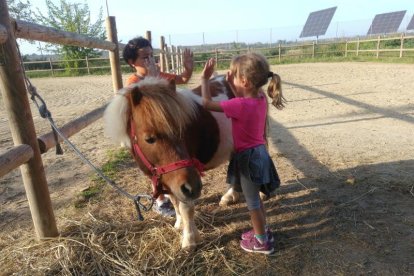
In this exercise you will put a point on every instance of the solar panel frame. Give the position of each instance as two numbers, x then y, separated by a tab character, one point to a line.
410	25
386	23
318	22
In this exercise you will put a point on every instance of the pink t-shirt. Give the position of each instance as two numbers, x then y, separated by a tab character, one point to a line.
248	117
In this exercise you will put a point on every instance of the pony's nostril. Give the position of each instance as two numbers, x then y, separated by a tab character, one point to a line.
187	190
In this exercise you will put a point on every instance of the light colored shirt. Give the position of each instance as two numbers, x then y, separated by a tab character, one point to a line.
248	117
134	78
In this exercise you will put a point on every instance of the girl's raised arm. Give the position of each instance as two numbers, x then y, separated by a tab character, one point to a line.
208	71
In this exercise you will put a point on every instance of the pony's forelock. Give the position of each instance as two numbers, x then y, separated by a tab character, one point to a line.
166	111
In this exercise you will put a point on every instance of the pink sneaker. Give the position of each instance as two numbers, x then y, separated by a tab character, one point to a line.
250	234
253	245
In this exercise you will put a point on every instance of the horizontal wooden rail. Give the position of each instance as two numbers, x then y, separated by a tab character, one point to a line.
3	34
34	31
47	141
15	157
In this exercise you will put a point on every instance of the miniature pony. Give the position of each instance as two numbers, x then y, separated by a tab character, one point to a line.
173	140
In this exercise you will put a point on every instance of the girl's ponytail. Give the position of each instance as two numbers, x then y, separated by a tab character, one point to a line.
274	91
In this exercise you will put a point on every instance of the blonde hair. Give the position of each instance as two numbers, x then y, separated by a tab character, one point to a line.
256	70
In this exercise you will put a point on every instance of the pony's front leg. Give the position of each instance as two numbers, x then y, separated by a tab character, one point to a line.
191	236
178	217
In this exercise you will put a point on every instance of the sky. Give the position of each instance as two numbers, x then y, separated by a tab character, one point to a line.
192	22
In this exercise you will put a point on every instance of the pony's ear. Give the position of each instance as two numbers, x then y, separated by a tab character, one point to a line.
136	95
171	85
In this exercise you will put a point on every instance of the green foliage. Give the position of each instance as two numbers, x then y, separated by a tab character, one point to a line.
73	18
19	9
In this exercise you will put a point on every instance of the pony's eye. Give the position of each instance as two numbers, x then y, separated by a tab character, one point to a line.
150	140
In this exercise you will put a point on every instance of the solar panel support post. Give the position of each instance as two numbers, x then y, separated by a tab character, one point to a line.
378	45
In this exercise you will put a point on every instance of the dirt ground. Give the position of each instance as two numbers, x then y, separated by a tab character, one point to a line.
343	147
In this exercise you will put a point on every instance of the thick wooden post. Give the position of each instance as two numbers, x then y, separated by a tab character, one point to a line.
402	46
162	54
22	129
114	55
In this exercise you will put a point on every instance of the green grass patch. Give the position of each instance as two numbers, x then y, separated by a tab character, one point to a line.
116	159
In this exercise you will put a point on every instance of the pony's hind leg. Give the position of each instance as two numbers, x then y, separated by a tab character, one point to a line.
231	196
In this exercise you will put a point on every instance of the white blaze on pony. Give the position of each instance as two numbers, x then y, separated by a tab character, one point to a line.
170	134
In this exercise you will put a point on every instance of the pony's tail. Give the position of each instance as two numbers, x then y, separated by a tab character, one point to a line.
274	91
116	119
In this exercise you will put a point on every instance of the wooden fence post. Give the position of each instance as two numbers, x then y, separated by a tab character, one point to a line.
216	52
178	61
173	68
313	49
167	58
378	45
402	46
357	49
279	53
51	67
148	36
22	128
114	55
87	65
162	54
346	48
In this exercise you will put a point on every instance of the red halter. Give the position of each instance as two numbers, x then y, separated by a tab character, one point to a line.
157	172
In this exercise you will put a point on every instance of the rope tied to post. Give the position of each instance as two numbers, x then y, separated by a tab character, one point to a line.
46	114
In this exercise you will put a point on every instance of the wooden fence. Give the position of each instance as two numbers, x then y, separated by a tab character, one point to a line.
170	57
28	149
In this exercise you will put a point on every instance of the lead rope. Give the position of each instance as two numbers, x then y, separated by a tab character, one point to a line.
45	113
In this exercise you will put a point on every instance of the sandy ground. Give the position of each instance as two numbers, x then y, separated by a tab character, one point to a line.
343	147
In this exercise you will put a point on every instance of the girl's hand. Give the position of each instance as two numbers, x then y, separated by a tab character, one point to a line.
230	81
208	69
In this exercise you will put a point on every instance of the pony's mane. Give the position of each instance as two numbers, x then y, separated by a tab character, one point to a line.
166	111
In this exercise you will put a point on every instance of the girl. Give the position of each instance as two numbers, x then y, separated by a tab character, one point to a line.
138	53
250	166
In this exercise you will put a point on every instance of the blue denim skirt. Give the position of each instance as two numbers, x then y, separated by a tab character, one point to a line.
255	165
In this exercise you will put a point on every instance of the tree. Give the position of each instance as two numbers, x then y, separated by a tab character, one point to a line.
76	18
20	9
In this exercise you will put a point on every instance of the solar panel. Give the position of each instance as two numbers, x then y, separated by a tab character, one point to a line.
318	22
386	23
411	24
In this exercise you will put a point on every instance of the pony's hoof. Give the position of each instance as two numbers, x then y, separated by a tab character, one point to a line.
229	198
189	248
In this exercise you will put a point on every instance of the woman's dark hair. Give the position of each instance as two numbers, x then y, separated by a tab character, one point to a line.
130	51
